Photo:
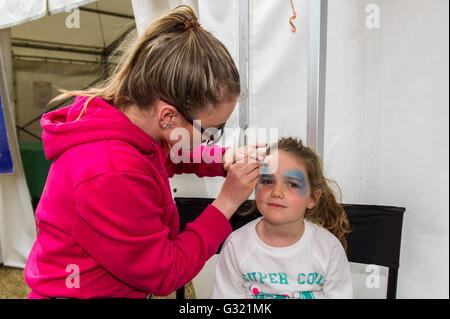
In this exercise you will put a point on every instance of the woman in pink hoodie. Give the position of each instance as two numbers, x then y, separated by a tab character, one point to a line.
107	224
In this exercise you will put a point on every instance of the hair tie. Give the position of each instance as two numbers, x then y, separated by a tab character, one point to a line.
191	24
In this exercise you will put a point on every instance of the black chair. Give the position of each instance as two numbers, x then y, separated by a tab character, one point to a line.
375	237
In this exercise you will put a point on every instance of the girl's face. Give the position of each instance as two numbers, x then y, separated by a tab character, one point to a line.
283	193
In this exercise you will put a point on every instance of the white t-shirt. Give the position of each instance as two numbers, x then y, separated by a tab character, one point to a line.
314	267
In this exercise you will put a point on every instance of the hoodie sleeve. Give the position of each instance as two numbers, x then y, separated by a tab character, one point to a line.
202	161
118	222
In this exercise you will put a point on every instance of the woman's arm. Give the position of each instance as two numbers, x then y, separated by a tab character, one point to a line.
202	161
119	222
212	160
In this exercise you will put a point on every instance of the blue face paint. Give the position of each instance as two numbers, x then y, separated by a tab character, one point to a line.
298	176
263	170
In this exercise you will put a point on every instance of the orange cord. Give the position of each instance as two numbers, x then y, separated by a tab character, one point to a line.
293	29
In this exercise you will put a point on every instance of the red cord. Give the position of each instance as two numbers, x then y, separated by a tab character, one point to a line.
293	29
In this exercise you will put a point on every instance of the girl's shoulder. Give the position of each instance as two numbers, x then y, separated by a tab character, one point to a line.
321	235
324	245
243	233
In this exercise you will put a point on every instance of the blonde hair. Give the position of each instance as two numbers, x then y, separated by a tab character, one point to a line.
174	59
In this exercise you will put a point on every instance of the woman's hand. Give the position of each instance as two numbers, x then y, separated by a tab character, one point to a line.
248	153
240	182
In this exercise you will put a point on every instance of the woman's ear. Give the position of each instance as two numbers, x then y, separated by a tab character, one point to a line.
165	113
314	199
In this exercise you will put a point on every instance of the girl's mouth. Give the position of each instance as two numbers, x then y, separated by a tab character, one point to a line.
276	205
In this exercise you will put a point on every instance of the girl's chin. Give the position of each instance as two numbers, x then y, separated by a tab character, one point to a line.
272	215
276	216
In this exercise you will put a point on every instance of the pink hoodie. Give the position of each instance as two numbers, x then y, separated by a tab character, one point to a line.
107	211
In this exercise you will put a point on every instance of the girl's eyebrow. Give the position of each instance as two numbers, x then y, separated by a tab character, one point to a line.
297	175
294	178
285	177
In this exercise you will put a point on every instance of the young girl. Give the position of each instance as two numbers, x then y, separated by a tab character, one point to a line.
297	248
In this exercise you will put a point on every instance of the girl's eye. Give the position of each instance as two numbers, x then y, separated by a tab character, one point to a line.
293	185
265	181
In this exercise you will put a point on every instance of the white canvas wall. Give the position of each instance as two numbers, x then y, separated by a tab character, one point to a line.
386	131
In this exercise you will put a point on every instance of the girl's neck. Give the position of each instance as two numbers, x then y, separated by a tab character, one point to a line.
280	235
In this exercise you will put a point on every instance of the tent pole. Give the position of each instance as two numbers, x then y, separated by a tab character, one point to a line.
34	45
317	48
243	67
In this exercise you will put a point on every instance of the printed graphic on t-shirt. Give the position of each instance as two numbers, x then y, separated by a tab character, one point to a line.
257	294
277	285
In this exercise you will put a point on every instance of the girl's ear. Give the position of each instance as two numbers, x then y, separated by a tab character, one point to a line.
314	199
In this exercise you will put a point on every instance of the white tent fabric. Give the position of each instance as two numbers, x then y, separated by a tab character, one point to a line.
14	12
386	125
146	11
56	6
17	227
386	114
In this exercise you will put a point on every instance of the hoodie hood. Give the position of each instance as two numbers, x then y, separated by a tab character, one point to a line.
101	121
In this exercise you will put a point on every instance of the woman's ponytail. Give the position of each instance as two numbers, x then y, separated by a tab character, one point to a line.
174	59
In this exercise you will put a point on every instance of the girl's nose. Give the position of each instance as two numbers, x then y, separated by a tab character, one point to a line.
277	192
